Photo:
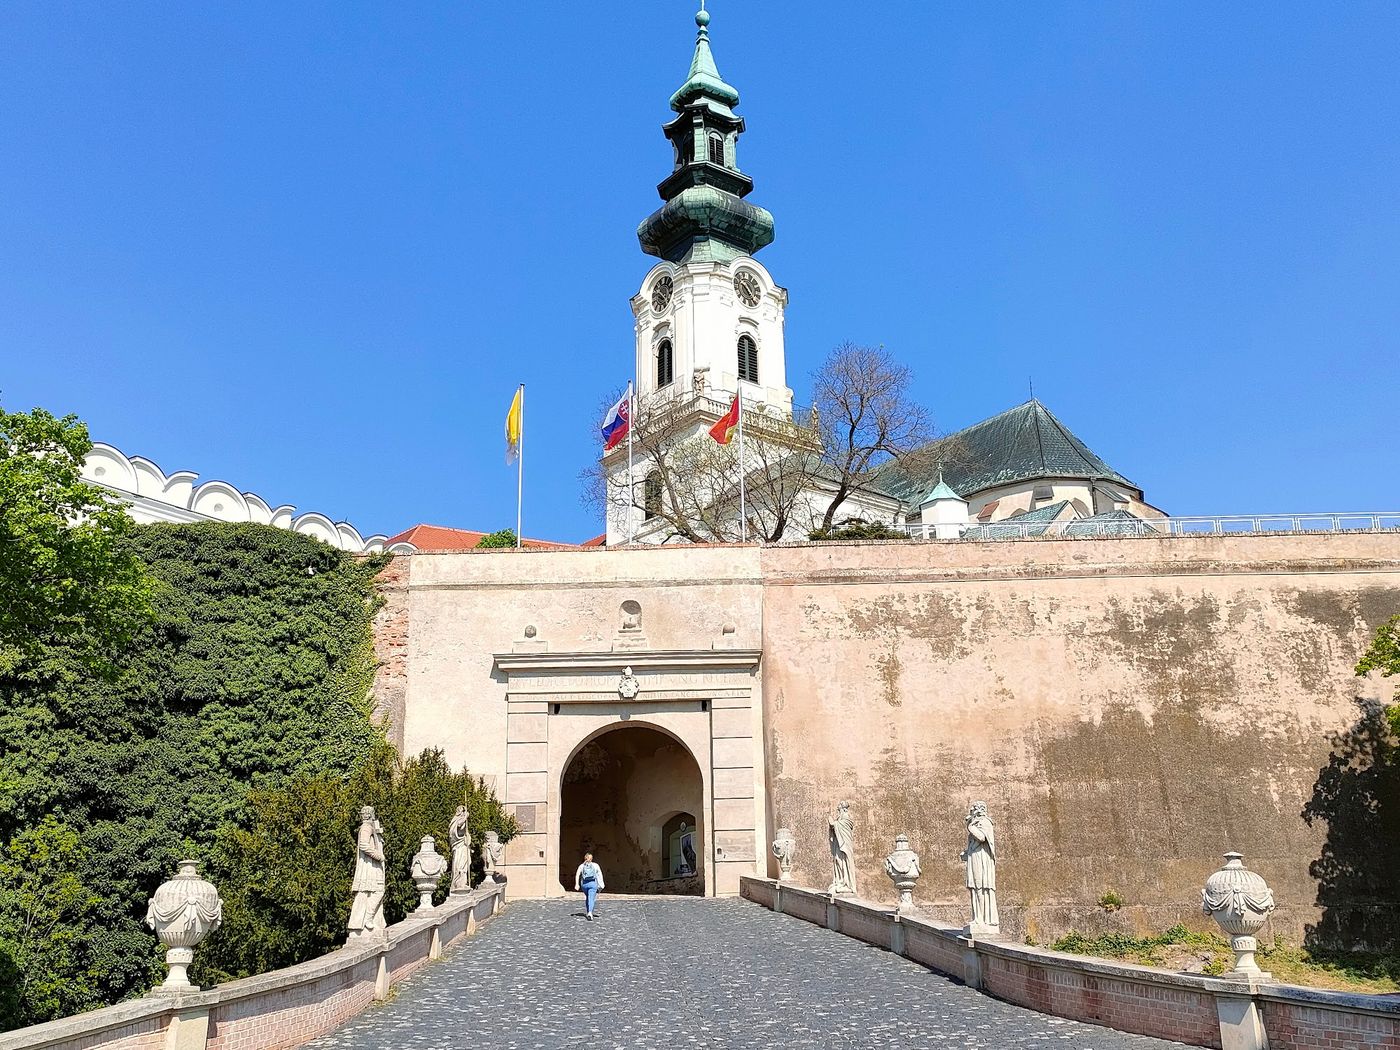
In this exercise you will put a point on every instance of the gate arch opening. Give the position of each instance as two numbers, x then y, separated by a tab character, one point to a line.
624	797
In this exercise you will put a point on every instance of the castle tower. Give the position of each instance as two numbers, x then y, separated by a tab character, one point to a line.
709	305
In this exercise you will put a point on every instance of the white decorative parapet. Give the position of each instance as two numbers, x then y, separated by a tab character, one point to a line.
152	495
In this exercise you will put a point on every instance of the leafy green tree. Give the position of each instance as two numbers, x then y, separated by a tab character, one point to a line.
255	669
47	965
64	578
1383	655
500	538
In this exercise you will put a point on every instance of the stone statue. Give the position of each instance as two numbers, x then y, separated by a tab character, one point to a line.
367	911
184	910
700	379
427	868
981	858
493	852
902	866
784	848
842	837
459	837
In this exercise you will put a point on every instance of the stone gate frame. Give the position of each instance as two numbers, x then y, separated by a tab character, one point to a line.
709	700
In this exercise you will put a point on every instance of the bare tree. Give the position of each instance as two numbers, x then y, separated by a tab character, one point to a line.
865	418
687	485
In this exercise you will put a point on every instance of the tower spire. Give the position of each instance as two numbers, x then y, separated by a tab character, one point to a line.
704	216
704	79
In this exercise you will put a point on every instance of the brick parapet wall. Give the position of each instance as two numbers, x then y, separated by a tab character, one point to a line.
1187	1008
271	1011
391	649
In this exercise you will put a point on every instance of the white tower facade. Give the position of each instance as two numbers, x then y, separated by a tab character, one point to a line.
714	328
708	324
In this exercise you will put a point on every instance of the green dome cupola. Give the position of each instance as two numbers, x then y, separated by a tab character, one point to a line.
705	217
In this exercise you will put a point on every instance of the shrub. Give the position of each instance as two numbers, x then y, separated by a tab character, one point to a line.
500	538
284	872
859	529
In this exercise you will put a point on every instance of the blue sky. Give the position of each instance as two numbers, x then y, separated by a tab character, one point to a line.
311	248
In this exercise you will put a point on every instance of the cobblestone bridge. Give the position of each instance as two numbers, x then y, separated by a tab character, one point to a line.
680	972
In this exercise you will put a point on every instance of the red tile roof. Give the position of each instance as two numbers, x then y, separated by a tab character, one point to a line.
441	538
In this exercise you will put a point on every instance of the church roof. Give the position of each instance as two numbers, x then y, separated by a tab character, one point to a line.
1021	444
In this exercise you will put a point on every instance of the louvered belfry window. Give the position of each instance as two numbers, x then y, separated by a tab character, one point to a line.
748	359
665	363
716	150
651	495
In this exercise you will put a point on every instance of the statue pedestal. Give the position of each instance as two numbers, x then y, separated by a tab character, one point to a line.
980	931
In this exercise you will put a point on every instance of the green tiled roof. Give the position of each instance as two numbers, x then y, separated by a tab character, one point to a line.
1024	443
704	80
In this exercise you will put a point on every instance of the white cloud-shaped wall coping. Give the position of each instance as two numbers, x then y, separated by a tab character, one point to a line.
153	495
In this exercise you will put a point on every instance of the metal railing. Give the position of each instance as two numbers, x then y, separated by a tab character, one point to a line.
1220	524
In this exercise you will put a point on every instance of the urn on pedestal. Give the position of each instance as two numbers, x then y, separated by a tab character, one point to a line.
784	848
493	852
1240	901
184	911
427	868
902	866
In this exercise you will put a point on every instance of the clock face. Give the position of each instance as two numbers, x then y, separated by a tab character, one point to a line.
661	294
746	287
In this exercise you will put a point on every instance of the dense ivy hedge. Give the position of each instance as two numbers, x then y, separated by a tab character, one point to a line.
252	675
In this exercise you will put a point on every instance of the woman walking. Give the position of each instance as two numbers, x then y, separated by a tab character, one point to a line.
589	879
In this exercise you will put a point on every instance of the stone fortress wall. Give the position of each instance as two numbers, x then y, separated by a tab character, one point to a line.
1129	708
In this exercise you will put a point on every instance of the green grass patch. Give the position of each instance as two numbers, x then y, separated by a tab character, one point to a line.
1182	949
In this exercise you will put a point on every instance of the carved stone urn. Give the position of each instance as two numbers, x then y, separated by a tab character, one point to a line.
902	866
784	848
184	911
427	868
1240	901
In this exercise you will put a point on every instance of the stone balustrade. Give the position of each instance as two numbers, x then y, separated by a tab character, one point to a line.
277	1010
1189	1008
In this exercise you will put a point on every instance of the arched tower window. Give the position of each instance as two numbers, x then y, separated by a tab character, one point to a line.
717	149
748	359
665	363
651	495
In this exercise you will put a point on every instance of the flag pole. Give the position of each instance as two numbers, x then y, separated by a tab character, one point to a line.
631	481
520	469
743	502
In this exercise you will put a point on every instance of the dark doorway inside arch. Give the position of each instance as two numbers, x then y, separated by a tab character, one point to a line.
624	798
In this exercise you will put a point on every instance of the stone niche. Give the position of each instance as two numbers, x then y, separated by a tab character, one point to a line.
610	751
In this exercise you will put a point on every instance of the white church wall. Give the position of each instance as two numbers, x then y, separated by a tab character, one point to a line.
151	495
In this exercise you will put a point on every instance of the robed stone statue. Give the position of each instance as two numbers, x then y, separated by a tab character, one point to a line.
367	910
981	858
459	837
842	836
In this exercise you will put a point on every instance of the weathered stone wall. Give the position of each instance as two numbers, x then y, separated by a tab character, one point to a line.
1129	708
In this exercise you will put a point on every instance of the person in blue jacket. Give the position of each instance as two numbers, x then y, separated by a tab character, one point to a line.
589	879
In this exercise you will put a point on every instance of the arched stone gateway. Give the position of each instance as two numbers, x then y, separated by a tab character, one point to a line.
653	758
629	796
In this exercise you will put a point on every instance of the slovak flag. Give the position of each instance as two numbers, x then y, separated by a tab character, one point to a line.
618	420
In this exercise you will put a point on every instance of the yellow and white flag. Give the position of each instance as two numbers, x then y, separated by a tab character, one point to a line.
513	424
